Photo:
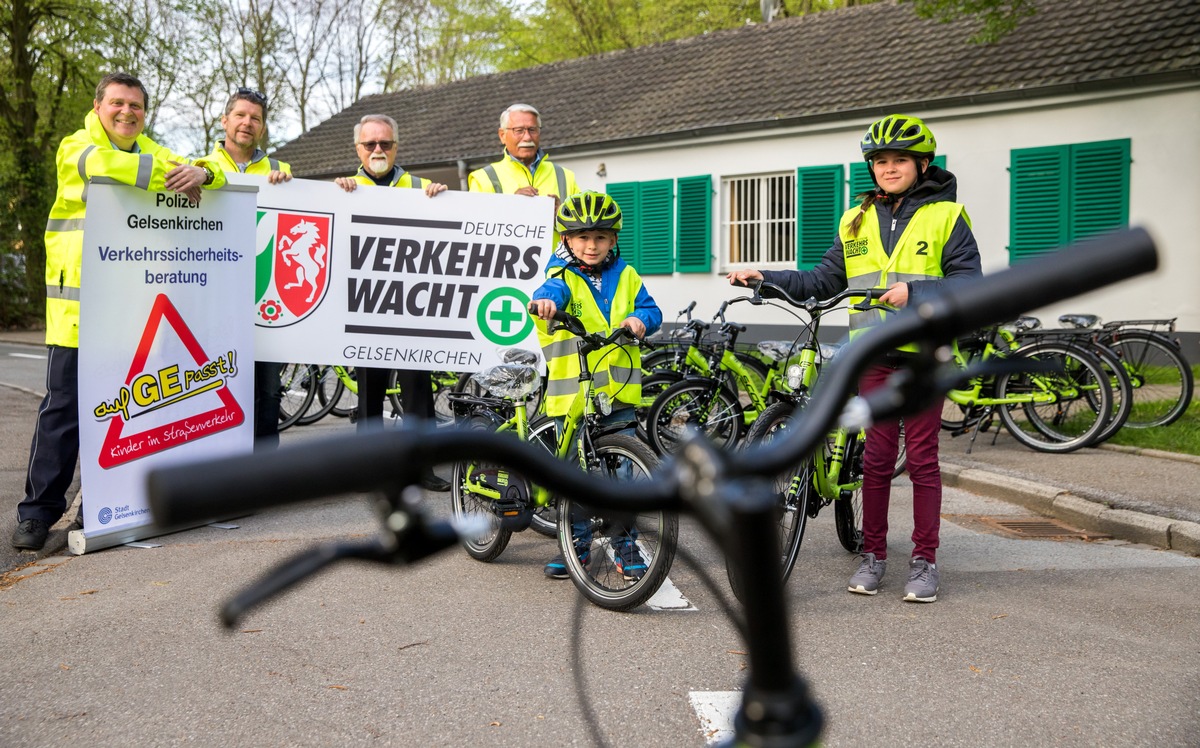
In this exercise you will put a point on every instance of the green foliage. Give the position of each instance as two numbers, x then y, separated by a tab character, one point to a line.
999	17
50	51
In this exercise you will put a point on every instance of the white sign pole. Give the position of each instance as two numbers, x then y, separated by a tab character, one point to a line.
166	345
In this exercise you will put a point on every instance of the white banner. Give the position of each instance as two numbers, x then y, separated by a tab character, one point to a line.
166	348
390	278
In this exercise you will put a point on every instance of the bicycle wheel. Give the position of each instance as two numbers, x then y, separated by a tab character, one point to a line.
1122	391
602	550
847	509
328	390
490	542
348	402
443	385
297	387
1161	377
794	489
704	404
393	397
1073	418
652	387
544	433
901	456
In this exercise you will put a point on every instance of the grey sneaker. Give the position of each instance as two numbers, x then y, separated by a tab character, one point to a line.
866	580
923	579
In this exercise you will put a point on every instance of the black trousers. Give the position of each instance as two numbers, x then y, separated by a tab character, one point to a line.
267	396
54	450
416	395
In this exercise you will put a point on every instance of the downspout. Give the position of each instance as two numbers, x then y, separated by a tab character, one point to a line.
462	175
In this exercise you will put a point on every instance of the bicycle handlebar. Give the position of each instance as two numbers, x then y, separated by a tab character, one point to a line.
191	493
723	490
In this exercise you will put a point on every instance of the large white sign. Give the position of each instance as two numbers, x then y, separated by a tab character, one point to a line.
166	348
391	278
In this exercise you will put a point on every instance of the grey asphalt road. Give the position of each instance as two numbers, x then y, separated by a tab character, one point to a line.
1038	642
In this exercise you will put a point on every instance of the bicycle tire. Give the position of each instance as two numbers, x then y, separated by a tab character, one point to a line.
296	392
1069	423
657	532
443	411
488	544
1161	377
847	509
901	456
544	432
703	403
327	391
393	396
794	488
1122	391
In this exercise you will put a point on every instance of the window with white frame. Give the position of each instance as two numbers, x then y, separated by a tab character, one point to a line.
758	220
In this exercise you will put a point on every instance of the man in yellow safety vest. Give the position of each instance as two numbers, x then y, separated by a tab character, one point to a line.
110	144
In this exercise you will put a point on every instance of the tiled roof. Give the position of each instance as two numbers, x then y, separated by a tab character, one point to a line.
864	59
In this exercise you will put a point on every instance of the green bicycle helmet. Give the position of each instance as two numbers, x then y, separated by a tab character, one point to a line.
586	211
899	132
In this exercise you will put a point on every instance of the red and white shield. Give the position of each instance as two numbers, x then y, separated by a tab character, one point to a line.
302	243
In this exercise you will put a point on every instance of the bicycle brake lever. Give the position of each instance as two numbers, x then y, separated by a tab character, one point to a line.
294	570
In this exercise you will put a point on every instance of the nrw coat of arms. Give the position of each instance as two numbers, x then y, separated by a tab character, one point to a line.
292	265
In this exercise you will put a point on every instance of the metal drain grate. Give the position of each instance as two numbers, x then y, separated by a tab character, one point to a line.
1040	527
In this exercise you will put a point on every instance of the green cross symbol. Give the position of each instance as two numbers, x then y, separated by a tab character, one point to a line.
501	316
506	315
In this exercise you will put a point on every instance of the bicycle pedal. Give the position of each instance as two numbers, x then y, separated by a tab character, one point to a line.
513	508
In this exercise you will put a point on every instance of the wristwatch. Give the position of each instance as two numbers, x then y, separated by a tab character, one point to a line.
208	174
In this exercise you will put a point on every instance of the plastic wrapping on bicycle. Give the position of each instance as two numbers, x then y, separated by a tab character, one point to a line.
394	459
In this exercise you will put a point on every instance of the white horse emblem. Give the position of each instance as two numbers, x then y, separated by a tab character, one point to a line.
308	256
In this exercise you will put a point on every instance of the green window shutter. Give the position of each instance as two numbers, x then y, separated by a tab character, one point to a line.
860	177
1037	210
860	180
820	202
656	227
626	194
1098	188
693	222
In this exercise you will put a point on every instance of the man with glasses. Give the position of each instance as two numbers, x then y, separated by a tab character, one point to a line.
111	144
524	169
245	122
375	140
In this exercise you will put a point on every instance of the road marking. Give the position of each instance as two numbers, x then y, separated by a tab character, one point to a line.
716	710
668	597
28	355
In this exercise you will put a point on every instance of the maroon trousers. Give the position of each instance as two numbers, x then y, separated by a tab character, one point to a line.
879	460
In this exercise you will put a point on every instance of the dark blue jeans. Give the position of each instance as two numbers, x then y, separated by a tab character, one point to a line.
54	450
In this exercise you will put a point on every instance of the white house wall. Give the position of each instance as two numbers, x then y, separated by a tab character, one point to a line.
1163	126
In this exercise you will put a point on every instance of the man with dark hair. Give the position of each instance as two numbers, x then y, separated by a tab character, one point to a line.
375	139
111	144
245	122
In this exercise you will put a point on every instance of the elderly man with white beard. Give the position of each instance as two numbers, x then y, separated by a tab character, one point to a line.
375	139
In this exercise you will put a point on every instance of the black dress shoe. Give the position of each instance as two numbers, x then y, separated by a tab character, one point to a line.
432	482
30	535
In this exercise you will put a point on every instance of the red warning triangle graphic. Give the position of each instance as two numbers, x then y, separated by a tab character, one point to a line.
119	448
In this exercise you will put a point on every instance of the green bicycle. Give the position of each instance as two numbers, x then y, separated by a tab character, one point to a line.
596	546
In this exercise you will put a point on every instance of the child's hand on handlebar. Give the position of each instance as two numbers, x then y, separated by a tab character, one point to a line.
743	277
543	308
635	326
897	295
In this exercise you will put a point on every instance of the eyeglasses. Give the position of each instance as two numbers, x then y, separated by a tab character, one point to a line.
521	131
385	145
253	95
